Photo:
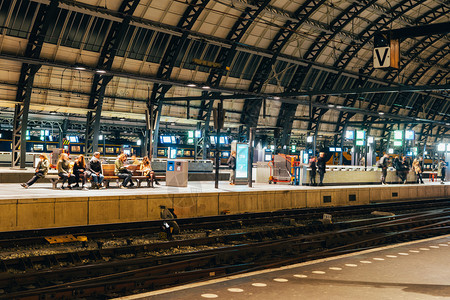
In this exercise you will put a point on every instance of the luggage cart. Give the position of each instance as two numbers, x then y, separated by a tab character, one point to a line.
281	169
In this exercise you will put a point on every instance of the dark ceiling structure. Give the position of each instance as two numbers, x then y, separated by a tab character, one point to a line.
303	67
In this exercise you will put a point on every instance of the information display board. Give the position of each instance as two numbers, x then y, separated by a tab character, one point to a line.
241	161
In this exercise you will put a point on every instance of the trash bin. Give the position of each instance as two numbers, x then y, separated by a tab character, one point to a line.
177	173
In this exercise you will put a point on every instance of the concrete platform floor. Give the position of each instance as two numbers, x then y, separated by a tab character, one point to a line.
414	270
43	189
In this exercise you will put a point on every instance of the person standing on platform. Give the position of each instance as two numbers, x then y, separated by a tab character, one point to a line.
321	167
405	169
383	164
41	171
122	172
63	167
232	166
418	169
94	171
79	170
313	171
441	170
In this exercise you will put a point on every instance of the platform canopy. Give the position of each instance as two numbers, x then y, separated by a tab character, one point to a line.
303	66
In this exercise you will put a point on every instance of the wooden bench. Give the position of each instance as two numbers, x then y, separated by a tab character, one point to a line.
109	175
136	174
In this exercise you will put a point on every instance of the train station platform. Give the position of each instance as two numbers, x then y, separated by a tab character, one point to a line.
413	270
42	207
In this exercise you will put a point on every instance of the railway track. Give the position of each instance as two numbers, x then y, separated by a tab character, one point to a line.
243	252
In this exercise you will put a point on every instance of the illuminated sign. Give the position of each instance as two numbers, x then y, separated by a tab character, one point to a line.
398	135
409	135
241	161
349	134
360	135
398	143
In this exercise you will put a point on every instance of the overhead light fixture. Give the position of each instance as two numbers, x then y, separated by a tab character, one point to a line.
338	106
191	84
53	112
205	87
100	71
330	105
79	67
381	113
276	98
122	119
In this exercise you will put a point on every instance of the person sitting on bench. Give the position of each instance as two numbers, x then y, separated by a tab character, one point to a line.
122	172
94	171
146	167
41	171
64	173
79	170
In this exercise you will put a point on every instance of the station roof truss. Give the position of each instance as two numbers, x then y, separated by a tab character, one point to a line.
301	67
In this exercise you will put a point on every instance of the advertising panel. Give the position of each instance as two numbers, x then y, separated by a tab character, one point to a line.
241	161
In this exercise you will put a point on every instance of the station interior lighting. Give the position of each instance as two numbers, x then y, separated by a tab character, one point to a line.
309	139
391	151
1	135
398	143
293	148
100	137
448	147
198	134
360	143
425	152
272	147
139	142
441	147
370	140
190	141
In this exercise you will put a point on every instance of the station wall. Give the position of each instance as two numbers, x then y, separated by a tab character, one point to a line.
19	214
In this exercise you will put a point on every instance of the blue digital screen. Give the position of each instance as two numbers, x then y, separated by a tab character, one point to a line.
241	160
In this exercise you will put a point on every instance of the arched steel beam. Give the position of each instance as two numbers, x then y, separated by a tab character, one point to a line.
224	58
100	81
251	110
350	52
412	53
287	111
350	100
44	17
226	55
399	101
190	16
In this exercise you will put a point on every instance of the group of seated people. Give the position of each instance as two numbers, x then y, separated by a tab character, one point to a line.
78	171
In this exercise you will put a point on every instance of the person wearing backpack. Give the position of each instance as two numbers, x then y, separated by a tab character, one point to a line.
232	165
383	164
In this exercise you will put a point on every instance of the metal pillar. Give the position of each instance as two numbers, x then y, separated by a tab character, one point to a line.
250	156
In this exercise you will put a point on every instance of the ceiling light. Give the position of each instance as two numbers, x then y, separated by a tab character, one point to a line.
191	85
205	87
276	98
381	113
100	71
79	67
53	112
122	119
338	106
330	105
